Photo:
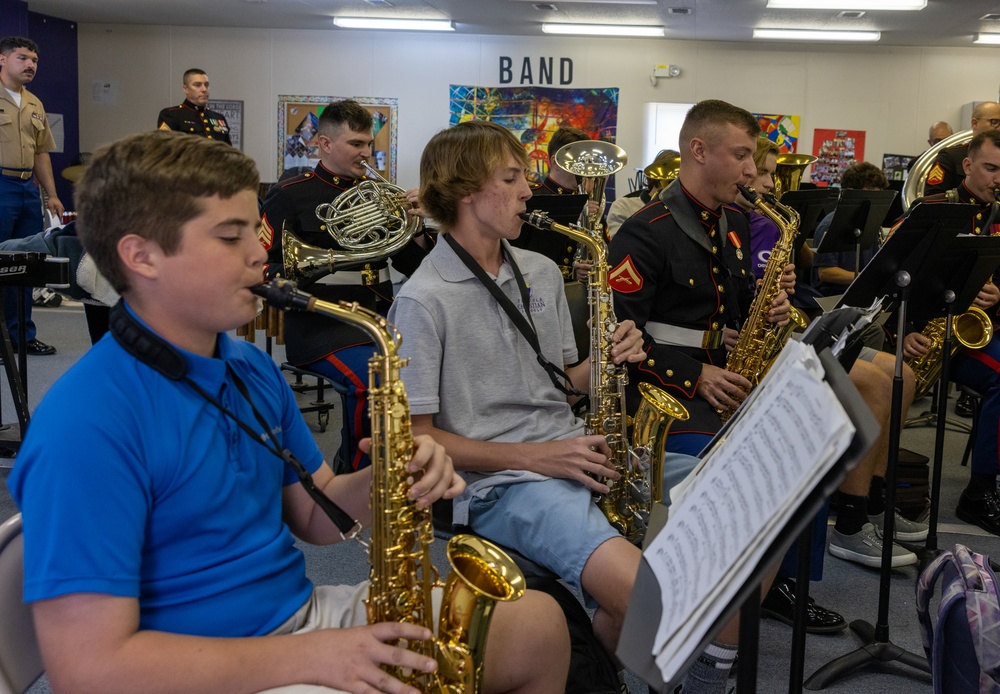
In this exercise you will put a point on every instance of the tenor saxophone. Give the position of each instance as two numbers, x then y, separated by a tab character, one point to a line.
628	505
402	576
760	342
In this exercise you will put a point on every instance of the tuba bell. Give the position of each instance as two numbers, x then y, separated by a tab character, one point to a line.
917	178
596	160
664	171
788	172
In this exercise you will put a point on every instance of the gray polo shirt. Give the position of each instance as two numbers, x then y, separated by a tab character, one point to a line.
472	369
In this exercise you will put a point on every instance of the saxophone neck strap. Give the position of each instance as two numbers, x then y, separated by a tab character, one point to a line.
525	326
164	358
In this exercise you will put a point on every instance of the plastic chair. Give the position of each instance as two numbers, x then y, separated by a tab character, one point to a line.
20	659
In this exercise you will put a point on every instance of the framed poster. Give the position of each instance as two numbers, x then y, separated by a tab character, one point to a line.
835	151
782	130
233	111
298	120
896	166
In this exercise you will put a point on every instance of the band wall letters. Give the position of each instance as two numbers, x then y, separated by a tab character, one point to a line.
543	71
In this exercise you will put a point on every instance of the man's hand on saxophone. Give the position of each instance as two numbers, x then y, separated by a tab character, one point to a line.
988	296
723	389
915	345
627	341
780	309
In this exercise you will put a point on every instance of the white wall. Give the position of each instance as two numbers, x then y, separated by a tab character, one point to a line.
892	93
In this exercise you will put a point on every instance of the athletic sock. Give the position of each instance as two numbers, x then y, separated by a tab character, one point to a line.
876	496
980	484
852	513
710	673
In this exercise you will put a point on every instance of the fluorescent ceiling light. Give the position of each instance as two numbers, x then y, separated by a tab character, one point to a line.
991	39
405	24
602	30
815	35
846	4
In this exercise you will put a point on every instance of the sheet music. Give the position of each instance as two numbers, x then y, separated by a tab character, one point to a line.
744	492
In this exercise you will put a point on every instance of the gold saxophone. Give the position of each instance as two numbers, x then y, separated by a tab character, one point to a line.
402	576
630	501
760	342
972	329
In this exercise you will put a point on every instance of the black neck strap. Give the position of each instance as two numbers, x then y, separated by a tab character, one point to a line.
165	359
525	326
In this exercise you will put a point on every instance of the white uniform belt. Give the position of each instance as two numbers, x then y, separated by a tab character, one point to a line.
666	334
356	278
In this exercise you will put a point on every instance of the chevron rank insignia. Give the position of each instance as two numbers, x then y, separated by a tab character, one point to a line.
936	175
625	278
265	234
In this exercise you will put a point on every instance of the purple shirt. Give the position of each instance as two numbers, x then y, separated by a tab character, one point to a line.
764	234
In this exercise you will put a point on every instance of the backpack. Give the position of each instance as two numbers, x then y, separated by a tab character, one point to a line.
964	650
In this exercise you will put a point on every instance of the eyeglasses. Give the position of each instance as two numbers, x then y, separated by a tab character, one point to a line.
994	122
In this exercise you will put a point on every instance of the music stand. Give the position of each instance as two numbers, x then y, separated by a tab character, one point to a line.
906	261
961	271
812	206
563	209
856	222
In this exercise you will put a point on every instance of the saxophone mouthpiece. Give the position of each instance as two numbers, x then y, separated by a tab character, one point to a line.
748	193
282	294
536	219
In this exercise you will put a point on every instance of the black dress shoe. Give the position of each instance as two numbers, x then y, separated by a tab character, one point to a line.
780	604
965	405
983	512
36	347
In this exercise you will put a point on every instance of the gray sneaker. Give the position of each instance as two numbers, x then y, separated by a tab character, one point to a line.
865	547
905	530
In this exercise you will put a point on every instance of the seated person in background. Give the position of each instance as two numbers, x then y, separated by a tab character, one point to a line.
834	271
158	527
509	427
980	369
338	351
659	174
947	170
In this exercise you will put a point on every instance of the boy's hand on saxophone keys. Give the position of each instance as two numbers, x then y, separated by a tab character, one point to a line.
915	345
988	296
628	345
780	309
433	476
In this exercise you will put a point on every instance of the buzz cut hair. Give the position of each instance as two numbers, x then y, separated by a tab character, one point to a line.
345	112
193	71
977	142
458	162
706	119
151	184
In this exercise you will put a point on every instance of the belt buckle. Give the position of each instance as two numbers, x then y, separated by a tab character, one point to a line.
25	175
369	276
712	339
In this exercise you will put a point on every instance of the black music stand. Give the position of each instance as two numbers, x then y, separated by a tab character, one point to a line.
812	206
856	222
643	616
906	262
961	271
563	209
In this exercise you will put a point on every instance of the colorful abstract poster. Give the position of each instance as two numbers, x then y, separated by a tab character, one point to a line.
533	114
836	150
780	129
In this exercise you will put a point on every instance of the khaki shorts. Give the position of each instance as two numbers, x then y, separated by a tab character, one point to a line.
329	607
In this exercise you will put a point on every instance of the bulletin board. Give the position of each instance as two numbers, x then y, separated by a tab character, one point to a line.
298	146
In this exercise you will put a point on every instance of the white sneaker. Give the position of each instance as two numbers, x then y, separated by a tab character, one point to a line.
905	530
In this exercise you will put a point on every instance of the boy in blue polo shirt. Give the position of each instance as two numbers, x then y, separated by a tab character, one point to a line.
158	534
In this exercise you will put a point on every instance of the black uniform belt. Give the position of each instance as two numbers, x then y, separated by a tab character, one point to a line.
666	334
23	174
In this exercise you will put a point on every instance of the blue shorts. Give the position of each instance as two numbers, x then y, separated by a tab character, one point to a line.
554	523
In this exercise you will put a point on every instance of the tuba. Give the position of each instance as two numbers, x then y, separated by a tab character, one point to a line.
972	329
629	503
596	160
917	178
788	171
369	221
760	342
663	171
402	575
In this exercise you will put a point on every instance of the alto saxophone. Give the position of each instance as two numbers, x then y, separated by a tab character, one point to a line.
402	575
760	342
628	505
972	329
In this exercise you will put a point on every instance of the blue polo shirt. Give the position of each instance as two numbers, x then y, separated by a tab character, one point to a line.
134	485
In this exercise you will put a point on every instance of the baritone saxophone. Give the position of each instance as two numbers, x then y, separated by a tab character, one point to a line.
402	576
628	505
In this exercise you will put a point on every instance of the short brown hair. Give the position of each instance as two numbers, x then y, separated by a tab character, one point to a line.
458	161
345	112
565	136
977	142
151	184
191	72
706	118
863	176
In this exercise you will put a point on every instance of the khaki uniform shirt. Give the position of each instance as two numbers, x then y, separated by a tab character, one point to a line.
24	132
